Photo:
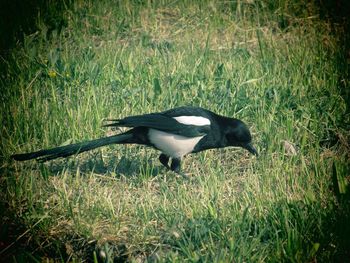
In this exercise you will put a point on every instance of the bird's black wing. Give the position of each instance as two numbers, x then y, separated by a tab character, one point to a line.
161	122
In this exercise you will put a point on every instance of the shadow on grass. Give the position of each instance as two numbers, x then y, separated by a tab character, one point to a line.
96	164
18	243
291	231
293	223
20	18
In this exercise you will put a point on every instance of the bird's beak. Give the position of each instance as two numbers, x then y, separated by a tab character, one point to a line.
251	149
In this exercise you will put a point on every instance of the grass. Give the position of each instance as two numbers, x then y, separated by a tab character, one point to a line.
277	65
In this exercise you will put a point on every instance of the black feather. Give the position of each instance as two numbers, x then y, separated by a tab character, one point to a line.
160	122
68	150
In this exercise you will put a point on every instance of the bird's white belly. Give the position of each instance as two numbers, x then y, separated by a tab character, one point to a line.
171	144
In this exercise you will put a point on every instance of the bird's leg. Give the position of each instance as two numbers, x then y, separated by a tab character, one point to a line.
164	159
176	165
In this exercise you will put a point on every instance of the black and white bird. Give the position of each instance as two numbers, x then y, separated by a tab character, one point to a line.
175	132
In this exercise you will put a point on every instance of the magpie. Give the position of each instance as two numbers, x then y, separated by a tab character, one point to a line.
175	133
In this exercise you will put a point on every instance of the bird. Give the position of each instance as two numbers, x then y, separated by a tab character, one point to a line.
175	133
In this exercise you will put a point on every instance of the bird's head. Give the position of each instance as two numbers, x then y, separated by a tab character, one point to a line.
238	134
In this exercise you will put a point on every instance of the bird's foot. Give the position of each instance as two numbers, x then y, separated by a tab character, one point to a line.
176	167
164	160
175	164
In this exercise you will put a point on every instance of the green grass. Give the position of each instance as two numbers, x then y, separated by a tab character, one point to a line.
274	64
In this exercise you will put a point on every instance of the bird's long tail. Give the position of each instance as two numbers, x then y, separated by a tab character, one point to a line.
72	149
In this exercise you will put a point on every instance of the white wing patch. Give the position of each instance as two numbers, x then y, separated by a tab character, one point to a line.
171	144
193	120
